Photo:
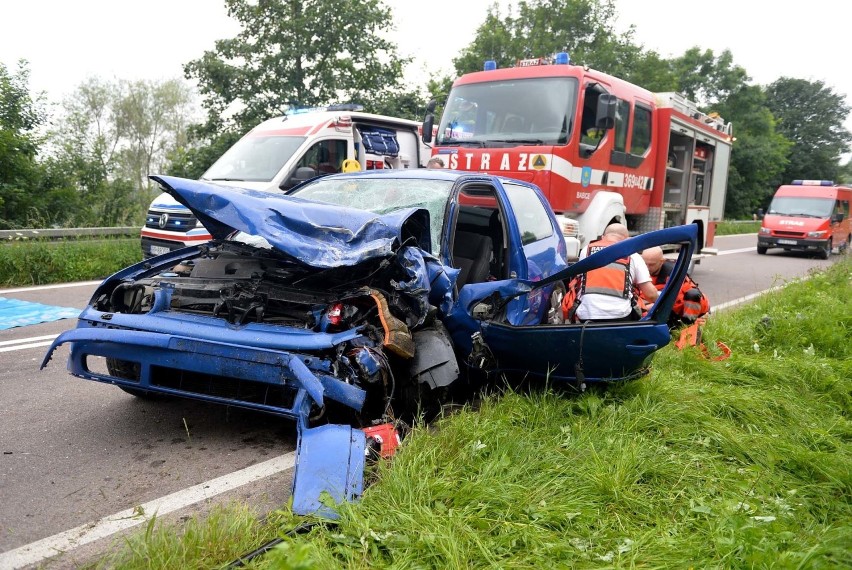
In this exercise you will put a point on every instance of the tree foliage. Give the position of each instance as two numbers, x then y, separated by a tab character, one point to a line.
21	114
295	52
811	115
583	28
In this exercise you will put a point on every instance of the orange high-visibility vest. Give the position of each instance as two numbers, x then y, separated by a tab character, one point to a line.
613	279
690	302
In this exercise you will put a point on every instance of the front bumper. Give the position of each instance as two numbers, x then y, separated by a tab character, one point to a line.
273	374
798	244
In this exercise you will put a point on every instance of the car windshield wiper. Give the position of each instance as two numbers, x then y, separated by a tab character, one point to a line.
227	179
804	215
462	142
518	141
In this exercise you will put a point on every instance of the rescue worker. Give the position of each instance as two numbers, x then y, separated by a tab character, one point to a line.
690	302
607	293
435	162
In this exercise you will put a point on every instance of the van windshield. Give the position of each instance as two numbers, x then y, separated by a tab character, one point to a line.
254	158
805	207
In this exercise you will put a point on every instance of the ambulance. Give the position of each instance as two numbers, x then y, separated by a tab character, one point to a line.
282	152
807	215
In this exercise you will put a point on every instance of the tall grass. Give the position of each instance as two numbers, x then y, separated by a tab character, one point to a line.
41	262
742	463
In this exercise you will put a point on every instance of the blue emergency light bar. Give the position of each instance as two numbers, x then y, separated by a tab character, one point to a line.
560	58
813	182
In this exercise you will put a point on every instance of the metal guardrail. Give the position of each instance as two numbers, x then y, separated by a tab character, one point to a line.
60	233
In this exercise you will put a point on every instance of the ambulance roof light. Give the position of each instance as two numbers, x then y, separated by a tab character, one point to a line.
490	65
561	58
813	182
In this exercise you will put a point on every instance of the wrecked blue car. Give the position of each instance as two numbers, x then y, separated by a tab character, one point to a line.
353	299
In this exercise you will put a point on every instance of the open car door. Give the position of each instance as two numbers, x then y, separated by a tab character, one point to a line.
581	352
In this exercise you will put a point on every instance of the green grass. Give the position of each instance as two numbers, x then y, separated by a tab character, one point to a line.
41	262
734	228
742	463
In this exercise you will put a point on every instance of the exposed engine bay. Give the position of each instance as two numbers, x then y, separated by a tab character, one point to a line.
381	303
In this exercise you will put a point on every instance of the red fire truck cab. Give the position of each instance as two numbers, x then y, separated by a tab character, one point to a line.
603	150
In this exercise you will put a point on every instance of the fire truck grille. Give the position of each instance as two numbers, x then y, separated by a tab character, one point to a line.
789	234
173	222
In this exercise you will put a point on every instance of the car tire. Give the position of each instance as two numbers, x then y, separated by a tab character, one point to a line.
761	250
825	252
130	371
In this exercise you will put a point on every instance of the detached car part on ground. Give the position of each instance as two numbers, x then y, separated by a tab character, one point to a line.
353	299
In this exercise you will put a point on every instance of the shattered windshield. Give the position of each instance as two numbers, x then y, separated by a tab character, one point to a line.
384	195
500	113
254	159
805	207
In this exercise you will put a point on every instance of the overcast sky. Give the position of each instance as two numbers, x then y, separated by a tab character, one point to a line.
66	41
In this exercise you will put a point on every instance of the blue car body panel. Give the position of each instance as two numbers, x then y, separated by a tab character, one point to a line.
232	355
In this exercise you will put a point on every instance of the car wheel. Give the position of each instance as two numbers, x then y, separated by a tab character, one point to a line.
826	251
130	371
761	250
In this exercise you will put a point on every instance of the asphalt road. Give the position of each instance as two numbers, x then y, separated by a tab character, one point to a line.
76	451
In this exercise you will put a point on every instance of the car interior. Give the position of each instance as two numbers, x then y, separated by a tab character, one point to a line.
479	247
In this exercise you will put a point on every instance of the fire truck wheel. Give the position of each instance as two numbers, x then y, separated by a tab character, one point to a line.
761	250
826	251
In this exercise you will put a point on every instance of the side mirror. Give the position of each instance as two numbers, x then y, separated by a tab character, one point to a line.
837	218
430	106
605	115
482	311
302	174
428	123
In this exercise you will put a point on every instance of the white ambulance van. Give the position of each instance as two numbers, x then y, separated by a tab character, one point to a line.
282	152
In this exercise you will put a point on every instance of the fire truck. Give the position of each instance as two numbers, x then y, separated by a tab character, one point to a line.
603	150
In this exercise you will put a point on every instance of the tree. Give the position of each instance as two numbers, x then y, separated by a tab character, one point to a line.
583	28
114	134
295	52
811	115
21	114
759	153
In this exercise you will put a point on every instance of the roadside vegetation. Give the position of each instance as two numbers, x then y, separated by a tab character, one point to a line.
745	462
36	262
737	227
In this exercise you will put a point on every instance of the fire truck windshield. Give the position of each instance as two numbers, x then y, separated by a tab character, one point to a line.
536	111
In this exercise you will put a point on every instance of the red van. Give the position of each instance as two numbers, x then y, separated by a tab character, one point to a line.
807	215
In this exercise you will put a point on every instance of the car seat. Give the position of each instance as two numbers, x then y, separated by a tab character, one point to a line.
472	255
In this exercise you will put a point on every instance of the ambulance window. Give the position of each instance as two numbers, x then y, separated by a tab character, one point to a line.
325	157
622	119
641	131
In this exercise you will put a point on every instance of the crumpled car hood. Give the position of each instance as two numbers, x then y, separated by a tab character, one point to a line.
319	235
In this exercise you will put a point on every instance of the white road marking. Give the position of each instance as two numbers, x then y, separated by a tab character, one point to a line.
747	298
40	550
24	346
740	250
30	339
45	287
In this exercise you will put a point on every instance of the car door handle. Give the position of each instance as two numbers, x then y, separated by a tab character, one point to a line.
640	349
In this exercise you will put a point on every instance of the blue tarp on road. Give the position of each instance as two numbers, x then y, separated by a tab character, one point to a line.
15	313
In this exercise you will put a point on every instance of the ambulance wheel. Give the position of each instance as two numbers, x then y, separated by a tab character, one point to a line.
130	371
825	252
761	250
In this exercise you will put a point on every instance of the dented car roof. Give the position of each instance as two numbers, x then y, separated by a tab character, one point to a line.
317	234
